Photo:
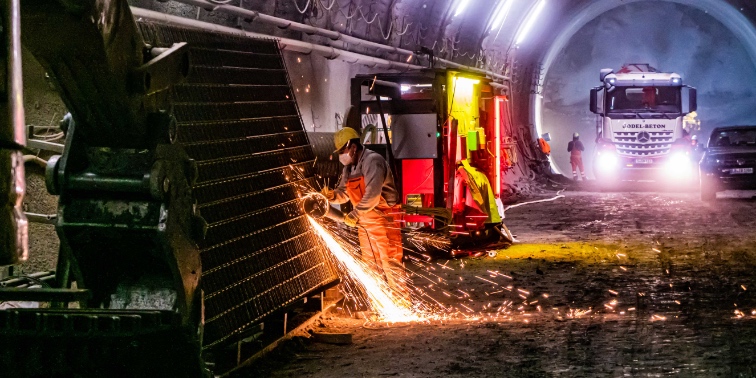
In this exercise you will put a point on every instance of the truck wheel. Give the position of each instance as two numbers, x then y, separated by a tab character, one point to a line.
708	191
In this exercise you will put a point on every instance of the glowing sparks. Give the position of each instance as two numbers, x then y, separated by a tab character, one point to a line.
389	306
576	313
489	281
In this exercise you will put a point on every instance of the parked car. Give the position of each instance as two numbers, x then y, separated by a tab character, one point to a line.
728	161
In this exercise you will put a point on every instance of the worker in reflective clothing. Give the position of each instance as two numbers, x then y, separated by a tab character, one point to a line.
576	148
367	182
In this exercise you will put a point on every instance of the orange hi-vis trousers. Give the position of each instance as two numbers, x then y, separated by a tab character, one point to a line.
380	236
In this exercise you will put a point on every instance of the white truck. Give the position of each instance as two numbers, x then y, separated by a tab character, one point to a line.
640	128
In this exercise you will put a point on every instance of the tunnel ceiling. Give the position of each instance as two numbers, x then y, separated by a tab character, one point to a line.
478	33
459	30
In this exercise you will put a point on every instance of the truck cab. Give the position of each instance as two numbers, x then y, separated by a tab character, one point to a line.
640	129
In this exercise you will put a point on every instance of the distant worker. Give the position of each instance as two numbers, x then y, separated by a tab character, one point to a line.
576	148
367	182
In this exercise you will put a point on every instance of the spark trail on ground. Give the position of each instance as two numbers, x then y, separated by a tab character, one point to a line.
390	307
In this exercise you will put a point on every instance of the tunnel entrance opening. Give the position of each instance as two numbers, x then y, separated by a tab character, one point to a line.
545	108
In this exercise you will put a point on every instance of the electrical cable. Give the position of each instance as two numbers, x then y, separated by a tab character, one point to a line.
558	196
302	11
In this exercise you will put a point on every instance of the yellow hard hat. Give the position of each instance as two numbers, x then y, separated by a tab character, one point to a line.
343	136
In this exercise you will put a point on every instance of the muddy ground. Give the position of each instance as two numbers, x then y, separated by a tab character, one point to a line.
610	284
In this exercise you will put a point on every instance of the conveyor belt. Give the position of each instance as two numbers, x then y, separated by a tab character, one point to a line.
238	119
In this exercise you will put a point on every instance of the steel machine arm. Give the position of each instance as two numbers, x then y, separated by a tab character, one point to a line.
13	224
125	211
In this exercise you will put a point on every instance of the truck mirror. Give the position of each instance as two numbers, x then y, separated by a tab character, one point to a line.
594	100
604	73
692	100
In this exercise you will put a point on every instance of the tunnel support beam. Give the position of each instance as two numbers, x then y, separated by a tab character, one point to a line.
307	47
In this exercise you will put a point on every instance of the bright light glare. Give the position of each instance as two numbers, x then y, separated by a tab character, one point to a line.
501	15
678	166
466	81
607	162
530	21
388	306
461	7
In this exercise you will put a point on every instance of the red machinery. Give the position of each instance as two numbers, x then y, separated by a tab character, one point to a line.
433	120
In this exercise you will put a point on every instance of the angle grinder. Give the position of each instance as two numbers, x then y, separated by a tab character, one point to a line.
317	206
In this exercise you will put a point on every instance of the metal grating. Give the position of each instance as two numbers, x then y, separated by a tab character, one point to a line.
238	119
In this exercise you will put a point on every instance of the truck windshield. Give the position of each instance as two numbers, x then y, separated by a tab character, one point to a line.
731	138
644	99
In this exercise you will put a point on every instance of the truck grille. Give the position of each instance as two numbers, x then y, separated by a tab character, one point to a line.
658	143
238	119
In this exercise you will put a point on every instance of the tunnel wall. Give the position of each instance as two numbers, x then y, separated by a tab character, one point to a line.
321	88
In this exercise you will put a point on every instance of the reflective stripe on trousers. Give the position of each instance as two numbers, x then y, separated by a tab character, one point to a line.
577	163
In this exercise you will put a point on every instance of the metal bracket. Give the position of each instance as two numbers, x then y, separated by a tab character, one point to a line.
167	67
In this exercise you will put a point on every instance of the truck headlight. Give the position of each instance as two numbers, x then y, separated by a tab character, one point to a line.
607	162
678	165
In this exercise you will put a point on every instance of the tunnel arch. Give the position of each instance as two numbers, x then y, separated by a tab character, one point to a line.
727	14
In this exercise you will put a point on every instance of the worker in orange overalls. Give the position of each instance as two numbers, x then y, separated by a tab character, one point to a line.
576	148
367	182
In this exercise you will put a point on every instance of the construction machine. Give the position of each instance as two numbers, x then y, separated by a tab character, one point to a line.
179	191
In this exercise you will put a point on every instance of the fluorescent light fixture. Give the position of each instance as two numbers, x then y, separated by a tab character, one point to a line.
501	14
532	17
461	5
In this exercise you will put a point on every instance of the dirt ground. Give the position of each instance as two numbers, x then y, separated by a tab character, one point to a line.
642	284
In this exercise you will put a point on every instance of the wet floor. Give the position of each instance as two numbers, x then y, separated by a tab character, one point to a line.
600	284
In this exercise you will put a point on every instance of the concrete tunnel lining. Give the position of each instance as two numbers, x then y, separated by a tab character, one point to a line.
722	11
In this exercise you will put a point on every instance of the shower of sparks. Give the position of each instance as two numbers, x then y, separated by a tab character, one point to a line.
390	306
434	290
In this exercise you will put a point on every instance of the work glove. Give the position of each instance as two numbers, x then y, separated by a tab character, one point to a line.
351	219
328	193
